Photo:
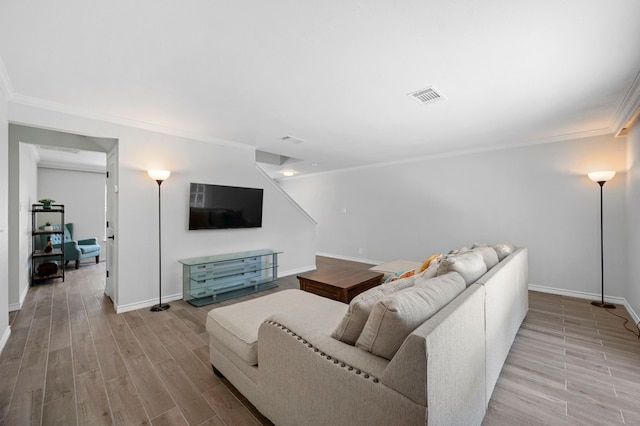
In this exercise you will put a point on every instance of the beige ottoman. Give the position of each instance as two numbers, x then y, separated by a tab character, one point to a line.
236	326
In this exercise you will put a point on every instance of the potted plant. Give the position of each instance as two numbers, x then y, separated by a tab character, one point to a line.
46	202
48	226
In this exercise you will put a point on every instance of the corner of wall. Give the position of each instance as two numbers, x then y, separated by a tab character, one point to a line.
5	338
5	94
633	208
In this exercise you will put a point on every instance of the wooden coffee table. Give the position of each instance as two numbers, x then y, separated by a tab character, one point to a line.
339	283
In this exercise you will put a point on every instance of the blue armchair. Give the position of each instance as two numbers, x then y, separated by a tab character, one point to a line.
73	250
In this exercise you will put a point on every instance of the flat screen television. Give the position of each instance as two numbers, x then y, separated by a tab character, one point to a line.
224	207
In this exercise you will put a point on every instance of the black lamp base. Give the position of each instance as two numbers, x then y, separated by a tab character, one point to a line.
603	305
160	307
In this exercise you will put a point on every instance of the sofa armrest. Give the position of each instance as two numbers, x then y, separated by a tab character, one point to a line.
442	363
88	241
71	250
351	355
307	377
506	305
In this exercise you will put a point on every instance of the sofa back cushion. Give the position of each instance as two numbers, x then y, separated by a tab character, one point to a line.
469	264
360	307
488	254
503	249
395	316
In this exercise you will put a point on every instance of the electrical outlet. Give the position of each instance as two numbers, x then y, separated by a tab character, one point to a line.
360	250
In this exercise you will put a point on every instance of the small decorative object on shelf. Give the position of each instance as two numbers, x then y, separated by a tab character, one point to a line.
47	226
49	247
47	269
46	202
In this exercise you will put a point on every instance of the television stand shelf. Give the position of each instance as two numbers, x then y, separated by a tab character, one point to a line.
212	279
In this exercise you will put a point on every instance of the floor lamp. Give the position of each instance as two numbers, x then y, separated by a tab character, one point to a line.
159	176
601	178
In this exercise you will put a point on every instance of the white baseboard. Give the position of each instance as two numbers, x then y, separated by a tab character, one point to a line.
179	296
297	271
5	338
352	259
588	296
18	306
145	304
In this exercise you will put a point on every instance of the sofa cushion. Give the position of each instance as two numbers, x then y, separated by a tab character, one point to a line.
360	307
89	248
469	264
489	255
503	250
395	316
236	326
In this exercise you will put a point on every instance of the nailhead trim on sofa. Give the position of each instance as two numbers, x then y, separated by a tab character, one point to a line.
322	354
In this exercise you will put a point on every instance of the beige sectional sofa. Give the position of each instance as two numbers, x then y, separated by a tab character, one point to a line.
287	352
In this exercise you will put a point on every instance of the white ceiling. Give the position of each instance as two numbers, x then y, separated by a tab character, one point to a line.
68	158
335	73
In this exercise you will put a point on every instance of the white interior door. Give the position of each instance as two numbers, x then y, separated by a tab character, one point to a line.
111	286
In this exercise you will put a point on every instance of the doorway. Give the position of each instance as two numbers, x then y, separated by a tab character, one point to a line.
70	165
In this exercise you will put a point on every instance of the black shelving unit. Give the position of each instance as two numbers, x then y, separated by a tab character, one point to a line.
55	215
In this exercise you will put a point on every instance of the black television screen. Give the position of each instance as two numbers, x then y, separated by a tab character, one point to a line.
224	207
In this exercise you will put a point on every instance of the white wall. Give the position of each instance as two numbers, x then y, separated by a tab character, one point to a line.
83	196
5	330
536	196
633	212
28	195
284	228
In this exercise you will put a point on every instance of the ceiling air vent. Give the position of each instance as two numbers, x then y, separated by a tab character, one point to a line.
427	96
291	139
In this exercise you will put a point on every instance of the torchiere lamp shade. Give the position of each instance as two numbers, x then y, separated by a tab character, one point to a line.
601	176
159	175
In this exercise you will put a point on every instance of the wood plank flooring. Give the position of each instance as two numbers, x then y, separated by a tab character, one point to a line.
71	360
571	364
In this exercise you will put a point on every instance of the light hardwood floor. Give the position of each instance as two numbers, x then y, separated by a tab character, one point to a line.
71	360
571	364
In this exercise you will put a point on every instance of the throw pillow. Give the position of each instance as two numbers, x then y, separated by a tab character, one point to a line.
503	250
404	275
360	307
470	265
427	262
400	275
395	316
432	270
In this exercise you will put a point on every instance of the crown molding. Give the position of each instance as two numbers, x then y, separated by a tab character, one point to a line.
5	83
629	108
87	168
458	153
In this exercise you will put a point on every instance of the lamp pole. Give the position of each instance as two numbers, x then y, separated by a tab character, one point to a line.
601	178
159	176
